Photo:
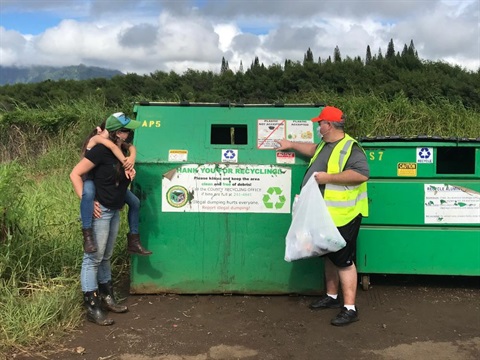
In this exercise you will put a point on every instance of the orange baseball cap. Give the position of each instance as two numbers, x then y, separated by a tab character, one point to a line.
329	113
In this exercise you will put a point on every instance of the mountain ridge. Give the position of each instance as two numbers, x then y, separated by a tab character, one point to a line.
10	75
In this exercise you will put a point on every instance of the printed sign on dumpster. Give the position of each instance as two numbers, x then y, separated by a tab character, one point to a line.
272	130
450	204
227	188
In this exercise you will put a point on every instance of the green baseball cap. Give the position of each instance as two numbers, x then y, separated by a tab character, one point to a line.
120	121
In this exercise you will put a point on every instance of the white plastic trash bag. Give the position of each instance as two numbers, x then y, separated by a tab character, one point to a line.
312	231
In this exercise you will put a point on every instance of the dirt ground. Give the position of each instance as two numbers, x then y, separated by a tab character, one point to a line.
401	317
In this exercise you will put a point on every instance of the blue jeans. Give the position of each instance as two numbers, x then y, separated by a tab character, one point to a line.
86	204
133	203
86	207
96	266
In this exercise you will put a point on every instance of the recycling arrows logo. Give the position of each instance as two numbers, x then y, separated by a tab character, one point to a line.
424	153
274	198
229	154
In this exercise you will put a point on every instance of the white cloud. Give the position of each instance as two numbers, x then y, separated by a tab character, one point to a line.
145	36
226	33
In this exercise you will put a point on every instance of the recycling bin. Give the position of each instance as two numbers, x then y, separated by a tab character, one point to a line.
216	198
424	199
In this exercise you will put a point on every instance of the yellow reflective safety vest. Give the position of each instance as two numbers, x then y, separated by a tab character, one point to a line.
343	202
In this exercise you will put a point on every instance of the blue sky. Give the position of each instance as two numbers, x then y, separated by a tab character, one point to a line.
143	36
29	22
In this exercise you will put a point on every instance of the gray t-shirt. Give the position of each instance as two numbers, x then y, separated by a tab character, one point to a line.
357	161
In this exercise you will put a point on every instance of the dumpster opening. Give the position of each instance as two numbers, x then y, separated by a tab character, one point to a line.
455	160
223	134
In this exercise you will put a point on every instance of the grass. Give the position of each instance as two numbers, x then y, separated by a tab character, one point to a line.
40	238
33	312
40	294
39	261
370	116
40	257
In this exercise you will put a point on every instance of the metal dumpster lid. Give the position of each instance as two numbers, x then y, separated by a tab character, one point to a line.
417	138
226	104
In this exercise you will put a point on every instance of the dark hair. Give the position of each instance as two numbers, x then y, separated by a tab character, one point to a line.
92	134
112	135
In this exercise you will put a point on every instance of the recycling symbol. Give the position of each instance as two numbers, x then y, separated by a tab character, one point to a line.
229	154
274	198
424	153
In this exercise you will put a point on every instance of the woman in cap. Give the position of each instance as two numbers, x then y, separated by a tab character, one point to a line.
111	183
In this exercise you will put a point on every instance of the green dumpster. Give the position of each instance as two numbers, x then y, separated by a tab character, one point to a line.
216	198
424	196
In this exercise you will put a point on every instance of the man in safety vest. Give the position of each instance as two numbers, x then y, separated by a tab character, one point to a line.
340	167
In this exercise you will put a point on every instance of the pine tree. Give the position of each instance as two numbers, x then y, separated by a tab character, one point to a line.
380	55
337	57
255	63
308	57
410	57
368	56
224	68
411	49
390	51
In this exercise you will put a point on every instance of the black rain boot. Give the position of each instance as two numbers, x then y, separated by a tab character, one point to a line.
108	299
134	246
88	242
95	313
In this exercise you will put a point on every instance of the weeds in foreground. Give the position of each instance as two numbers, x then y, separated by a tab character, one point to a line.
41	254
32	312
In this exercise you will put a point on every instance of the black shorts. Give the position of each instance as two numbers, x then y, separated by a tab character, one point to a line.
346	257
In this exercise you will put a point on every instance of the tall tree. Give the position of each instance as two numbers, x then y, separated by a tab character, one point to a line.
390	51
411	49
368	56
224	68
380	55
337	57
308	57
409	57
255	63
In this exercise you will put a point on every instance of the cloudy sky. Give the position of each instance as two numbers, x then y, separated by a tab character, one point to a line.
142	36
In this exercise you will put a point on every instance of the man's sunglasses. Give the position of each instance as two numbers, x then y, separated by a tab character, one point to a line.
124	130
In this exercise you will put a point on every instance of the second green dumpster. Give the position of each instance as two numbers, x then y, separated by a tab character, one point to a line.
424	217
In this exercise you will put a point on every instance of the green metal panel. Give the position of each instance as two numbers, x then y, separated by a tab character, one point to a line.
419	250
198	251
424	198
397	202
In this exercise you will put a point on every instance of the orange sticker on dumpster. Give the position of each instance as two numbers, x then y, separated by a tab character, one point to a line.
407	169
